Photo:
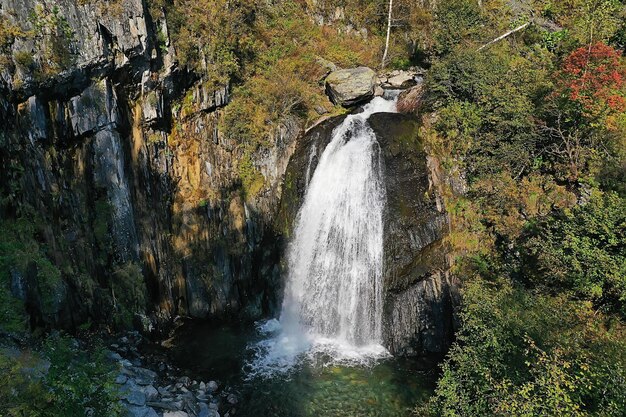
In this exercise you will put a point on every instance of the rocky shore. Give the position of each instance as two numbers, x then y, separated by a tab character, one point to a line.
151	387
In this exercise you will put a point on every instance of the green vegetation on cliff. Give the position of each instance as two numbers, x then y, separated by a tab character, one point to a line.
59	380
276	54
537	122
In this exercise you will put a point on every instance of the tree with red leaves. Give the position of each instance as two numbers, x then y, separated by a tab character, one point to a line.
594	78
588	108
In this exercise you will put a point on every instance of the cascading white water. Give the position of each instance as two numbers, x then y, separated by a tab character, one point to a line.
333	298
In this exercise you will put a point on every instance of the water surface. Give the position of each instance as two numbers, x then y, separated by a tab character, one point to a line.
388	388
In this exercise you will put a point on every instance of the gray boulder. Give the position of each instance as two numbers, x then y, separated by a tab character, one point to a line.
134	411
401	79
144	376
211	386
150	392
136	398
175	414
348	87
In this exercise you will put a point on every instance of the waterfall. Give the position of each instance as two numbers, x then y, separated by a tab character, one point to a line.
333	297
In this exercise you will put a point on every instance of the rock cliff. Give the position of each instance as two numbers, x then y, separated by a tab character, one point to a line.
117	154
420	293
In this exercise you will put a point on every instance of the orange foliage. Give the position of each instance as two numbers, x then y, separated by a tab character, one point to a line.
595	78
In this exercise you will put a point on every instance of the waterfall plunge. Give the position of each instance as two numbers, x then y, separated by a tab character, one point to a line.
333	298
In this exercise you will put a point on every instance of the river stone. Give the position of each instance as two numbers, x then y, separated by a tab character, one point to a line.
190	405
121	379
150	391
144	376
204	410
211	386
136	398
175	414
165	404
151	413
232	399
134	411
351	86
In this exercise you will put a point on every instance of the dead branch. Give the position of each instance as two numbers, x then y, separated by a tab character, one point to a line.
499	38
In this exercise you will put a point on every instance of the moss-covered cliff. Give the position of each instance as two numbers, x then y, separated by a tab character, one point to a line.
420	294
118	161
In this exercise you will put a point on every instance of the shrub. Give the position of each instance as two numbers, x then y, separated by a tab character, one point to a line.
21	254
520	354
63	380
582	250
24	59
129	293
486	102
55	37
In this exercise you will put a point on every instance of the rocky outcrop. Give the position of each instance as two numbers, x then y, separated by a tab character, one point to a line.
166	392
136	193
410	100
348	87
400	78
97	42
420	294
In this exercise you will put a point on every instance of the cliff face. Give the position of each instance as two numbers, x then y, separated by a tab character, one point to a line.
122	179
420	293
117	156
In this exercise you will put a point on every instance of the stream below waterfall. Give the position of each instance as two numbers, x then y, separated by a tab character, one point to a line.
390	387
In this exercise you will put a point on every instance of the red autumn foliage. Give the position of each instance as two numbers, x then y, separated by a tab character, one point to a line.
595	77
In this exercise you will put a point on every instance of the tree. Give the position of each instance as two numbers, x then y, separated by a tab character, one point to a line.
582	250
590	21
388	33
594	78
587	109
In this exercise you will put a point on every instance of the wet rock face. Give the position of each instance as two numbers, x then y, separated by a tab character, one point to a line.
420	295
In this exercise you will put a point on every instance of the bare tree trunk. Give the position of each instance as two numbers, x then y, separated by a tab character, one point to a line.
499	38
388	34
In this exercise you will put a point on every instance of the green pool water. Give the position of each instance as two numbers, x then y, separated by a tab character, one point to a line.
391	387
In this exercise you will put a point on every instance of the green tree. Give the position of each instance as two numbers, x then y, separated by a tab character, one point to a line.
522	354
582	250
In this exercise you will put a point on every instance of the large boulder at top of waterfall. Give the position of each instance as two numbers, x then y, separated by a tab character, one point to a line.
400	78
351	86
